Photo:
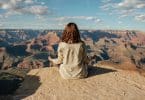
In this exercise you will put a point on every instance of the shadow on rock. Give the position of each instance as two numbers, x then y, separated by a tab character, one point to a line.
92	71
28	87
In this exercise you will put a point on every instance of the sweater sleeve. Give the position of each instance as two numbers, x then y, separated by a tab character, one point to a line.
59	59
86	59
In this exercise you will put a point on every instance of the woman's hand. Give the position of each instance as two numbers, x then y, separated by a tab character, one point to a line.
50	61
49	58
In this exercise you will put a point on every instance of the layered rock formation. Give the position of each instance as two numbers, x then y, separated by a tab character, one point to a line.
116	47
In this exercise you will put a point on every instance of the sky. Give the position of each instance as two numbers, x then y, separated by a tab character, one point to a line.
87	14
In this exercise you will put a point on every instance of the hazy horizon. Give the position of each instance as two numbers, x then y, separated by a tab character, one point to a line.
63	29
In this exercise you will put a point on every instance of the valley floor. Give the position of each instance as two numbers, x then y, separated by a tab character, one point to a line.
103	83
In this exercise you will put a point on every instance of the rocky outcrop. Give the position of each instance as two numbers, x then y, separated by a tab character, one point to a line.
103	82
43	42
10	80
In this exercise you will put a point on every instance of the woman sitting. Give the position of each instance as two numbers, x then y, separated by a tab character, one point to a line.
72	55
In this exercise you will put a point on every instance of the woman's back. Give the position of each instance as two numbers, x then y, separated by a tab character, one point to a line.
73	64
72	53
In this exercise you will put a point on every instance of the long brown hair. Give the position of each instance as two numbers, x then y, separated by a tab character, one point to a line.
71	34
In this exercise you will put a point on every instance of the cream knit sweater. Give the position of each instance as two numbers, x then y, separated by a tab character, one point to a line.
72	59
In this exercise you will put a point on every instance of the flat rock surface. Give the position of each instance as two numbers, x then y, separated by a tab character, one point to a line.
103	83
